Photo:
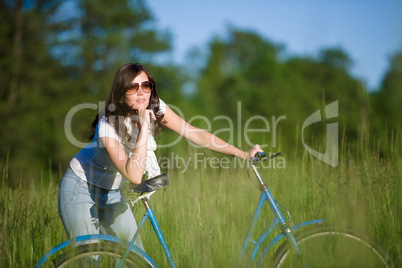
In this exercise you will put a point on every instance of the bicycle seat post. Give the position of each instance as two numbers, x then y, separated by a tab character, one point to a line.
146	204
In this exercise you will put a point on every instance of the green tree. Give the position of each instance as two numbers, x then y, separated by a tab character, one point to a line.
109	34
316	82
385	117
31	82
241	67
244	67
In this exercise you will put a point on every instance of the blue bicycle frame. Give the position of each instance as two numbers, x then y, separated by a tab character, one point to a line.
279	220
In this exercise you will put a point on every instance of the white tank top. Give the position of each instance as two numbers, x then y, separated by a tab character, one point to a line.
93	164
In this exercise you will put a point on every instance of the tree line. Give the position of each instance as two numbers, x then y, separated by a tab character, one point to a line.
57	54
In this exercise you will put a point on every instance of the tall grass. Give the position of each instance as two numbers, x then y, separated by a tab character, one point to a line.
29	220
204	212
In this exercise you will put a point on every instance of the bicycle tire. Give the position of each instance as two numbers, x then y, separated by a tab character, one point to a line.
325	246
99	255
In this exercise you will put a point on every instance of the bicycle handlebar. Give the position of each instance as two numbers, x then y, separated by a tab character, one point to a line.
261	157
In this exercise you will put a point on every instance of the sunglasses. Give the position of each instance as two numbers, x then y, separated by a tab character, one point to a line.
146	86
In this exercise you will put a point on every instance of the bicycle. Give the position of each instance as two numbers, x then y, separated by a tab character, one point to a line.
307	244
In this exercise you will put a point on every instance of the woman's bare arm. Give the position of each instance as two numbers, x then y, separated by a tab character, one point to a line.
204	138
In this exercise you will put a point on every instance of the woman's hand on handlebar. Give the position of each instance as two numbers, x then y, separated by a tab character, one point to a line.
255	149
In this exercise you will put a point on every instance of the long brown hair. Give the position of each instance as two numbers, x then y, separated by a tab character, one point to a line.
116	110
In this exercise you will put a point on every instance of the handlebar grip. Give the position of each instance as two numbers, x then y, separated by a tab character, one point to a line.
260	155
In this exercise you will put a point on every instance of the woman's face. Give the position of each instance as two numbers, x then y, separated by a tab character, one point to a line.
139	100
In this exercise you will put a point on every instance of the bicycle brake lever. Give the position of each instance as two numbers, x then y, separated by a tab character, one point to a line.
275	155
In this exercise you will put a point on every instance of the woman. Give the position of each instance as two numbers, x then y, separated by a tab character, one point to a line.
122	146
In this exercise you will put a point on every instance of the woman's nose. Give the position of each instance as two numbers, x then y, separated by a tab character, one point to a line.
140	91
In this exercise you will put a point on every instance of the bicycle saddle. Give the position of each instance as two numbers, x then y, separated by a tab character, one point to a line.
151	184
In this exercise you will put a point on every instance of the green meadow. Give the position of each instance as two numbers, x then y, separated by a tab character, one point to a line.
205	211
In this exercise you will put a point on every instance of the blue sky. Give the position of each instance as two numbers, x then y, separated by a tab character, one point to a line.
369	30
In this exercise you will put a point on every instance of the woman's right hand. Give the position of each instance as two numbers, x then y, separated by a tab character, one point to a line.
144	117
255	149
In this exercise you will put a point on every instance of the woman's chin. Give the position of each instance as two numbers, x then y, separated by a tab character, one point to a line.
139	107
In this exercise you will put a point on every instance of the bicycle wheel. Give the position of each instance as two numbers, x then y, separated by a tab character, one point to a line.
99	255
323	246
